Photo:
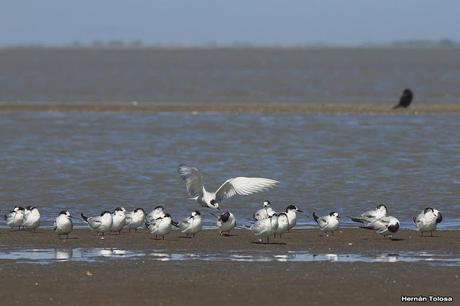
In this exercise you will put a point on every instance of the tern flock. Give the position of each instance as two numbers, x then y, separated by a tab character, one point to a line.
264	223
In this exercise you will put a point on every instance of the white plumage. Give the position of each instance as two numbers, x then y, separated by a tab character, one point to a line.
264	212
385	226
328	223
161	226
31	218
118	219
63	224
226	222
265	227
283	224
291	212
101	224
15	217
428	220
135	219
234	186
191	225
157	212
371	215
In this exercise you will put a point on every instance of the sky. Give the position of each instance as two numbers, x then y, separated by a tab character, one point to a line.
198	22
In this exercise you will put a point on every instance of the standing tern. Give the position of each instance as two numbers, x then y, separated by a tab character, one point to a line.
31	219
63	224
118	220
15	217
328	223
226	222
234	186
190	225
265	227
428	220
161	226
135	219
291	212
283	224
100	224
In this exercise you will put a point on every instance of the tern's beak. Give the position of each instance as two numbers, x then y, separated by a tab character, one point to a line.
298	210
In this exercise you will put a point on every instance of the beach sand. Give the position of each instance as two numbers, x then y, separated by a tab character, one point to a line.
141	281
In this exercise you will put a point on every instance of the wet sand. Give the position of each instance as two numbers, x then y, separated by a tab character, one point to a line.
344	241
142	282
233	107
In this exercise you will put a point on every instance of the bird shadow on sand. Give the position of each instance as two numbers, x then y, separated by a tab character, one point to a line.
396	239
229	235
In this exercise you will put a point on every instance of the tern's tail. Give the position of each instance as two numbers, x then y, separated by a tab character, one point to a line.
175	223
85	218
315	217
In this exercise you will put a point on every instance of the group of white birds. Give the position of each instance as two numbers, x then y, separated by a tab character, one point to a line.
266	221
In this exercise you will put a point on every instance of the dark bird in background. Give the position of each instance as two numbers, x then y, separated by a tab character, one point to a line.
406	99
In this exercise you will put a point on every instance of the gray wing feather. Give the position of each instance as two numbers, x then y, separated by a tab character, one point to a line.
193	180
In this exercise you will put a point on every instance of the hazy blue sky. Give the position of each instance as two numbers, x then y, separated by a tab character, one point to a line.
225	22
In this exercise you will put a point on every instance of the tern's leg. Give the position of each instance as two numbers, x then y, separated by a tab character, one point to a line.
163	237
431	234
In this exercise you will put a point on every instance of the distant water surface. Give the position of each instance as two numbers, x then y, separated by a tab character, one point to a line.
362	75
347	163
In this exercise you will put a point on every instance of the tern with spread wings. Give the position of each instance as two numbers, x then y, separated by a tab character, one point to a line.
234	186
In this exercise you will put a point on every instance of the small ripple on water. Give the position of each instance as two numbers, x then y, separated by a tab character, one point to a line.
51	255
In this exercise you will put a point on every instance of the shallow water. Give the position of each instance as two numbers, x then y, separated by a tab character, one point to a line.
89	162
50	255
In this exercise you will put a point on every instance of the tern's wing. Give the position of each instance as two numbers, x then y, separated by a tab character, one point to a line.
322	222
360	219
243	186
193	180
369	214
419	219
94	222
380	225
184	223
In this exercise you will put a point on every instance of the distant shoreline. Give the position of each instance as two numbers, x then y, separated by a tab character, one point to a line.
154	107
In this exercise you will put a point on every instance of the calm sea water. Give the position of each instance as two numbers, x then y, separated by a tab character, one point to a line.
347	163
229	75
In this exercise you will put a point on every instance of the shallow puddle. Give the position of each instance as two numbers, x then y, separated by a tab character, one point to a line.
50	255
